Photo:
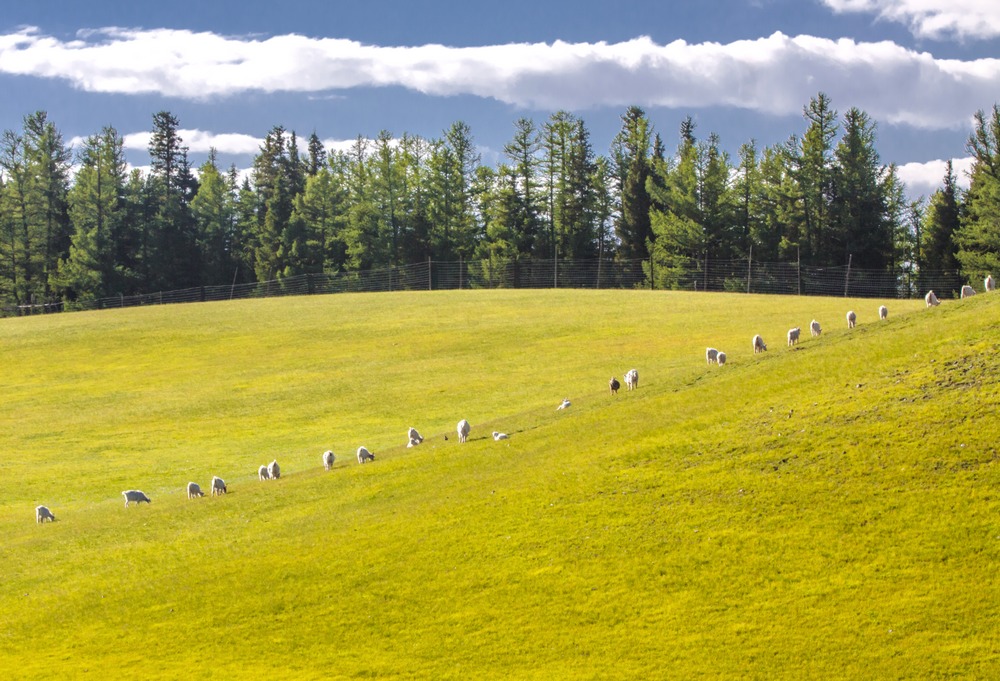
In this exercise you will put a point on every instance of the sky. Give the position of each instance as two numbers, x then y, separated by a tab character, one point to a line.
230	71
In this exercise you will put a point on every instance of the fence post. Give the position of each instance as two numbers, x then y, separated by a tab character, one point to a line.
749	265
652	274
430	280
847	279
798	267
555	270
459	273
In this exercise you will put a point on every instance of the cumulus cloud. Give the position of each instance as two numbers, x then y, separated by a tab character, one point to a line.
937	19
926	178
775	74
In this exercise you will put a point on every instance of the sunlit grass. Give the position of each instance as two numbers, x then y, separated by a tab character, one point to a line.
828	511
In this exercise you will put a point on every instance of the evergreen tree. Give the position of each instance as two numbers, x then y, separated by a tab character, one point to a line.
938	248
978	236
96	206
814	175
522	218
631	153
175	259
213	211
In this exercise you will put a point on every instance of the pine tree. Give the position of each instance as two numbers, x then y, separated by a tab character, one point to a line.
978	236
631	153
938	248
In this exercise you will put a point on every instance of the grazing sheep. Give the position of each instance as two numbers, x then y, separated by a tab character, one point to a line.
194	490
711	355
328	458
988	284
463	430
968	291
793	336
722	358
413	437
758	345
218	486
500	436
814	328
364	455
134	495
564	404
614	385
931	299
632	379
883	312
851	319
42	513
263	474
274	470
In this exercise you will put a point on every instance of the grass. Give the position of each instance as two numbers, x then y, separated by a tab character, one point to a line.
827	511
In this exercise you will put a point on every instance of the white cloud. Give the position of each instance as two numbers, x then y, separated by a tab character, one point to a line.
777	74
937	19
926	178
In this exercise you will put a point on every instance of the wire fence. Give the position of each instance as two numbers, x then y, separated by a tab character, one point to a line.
744	276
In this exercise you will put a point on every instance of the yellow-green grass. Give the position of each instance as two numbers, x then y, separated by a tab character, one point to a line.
828	511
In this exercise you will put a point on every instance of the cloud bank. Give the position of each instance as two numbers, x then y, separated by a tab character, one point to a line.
773	75
936	19
926	178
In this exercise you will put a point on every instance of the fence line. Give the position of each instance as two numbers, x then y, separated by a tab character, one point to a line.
744	275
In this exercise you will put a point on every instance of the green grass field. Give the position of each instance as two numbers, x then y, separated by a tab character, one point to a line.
828	511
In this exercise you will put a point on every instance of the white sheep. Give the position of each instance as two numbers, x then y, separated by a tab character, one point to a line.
758	345
632	379
721	358
988	284
814	328
328	458
711	355
274	470
500	436
194	490
42	513
851	319
218	486
134	495
364	455
564	404
614	385
968	291
793	336
263	474
883	312
463	430
413	437
931	299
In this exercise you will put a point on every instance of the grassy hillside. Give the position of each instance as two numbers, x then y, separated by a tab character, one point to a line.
827	511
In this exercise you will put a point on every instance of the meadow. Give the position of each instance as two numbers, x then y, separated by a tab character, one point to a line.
827	511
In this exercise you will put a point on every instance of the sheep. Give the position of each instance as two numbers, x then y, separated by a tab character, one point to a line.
263	474
328	458
463	430
564	404
134	495
274	470
218	486
793	336
614	385
632	379
413	437
194	490
712	355
722	358
42	513
931	299
814	328
968	291
758	345
988	284
500	436
364	455
851	319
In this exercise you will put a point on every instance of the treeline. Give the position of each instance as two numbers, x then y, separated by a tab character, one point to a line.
78	225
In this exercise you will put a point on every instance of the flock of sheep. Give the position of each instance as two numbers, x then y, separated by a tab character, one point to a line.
272	471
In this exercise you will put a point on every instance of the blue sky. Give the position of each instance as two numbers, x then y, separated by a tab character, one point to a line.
741	68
